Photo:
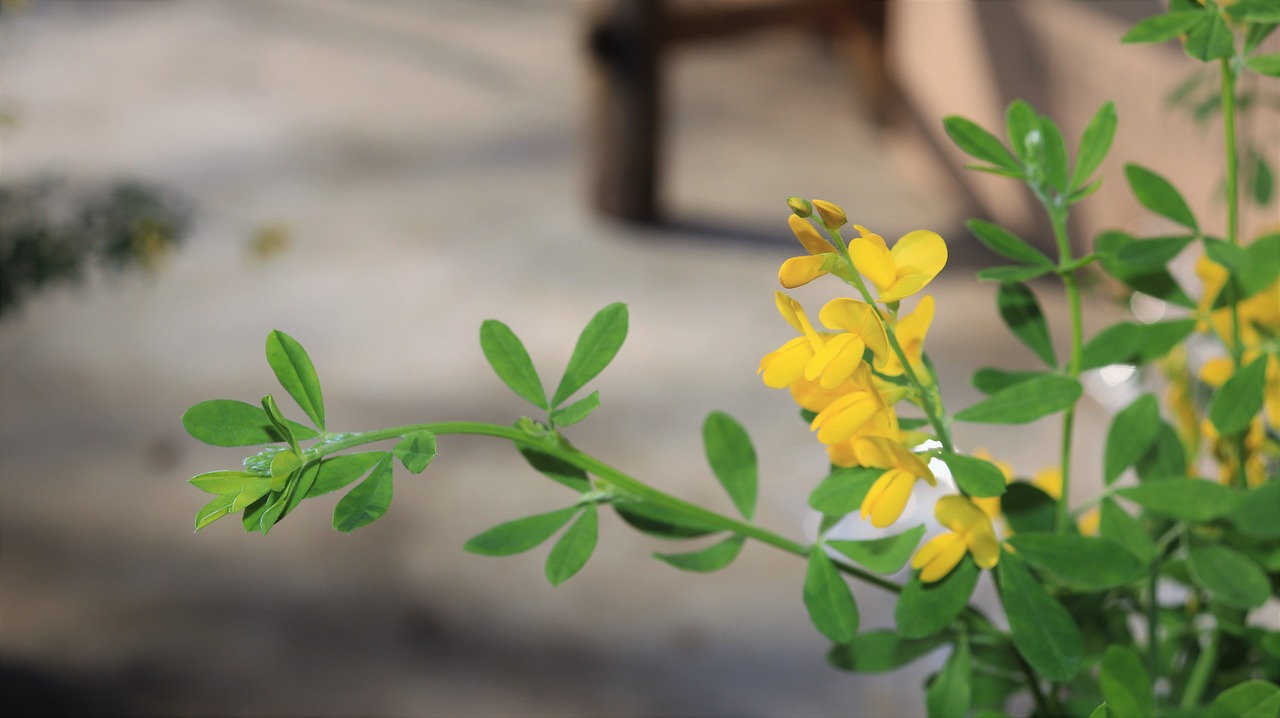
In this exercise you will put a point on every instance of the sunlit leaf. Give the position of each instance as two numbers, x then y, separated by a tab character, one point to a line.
227	422
976	141
1231	577
1196	500
294	370
951	693
1025	402
573	549
1043	632
974	476
597	346
927	608
1084	563
1125	682
711	558
828	598
1133	430
1240	399
507	355
1094	144
1006	244
416	450
881	555
520	535
1158	195
368	501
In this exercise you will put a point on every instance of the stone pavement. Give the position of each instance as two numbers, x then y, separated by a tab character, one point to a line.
426	159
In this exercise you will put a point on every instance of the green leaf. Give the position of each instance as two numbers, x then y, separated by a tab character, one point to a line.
1210	40
989	380
253	513
1161	28
1025	402
1027	509
278	422
1057	173
283	464
340	471
828	598
214	510
1141	264
1254	11
251	492
661	522
1021	313
1117	525
926	608
974	476
367	502
1240	399
1265	64
1257	33
1006	244
732	459
299	489
1252	269
296	374
1166	457
1133	343
1255	511
1195	500
1013	273
1158	195
1020	119
711	558
882	650
577	411
1126	684
557	470
843	490
950	693
1232	578
574	548
1081	193
597	346
416	450
1103	711
881	555
1083	563
979	143
1131	435
520	535
223	482
1251	699
1043	632
510	361
1094	143
227	422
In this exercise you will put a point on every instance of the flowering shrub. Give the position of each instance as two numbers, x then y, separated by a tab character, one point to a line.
1092	629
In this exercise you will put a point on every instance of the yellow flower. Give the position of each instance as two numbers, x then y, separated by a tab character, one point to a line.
913	262
911	331
861	412
822	257
827	358
888	496
832	215
970	530
1049	480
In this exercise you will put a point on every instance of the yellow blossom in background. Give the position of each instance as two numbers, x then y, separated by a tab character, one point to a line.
888	496
970	531
913	262
1049	480
1090	522
1255	468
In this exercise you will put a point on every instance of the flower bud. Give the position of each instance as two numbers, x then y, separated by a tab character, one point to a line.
832	215
800	206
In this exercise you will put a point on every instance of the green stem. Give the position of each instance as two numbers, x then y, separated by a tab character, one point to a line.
930	397
1201	672
1058	217
625	484
1153	608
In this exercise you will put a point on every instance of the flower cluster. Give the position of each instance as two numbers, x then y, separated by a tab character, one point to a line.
850	370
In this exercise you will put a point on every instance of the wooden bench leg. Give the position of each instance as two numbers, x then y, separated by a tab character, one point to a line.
626	125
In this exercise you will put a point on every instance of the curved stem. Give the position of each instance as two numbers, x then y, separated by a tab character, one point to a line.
1233	233
625	484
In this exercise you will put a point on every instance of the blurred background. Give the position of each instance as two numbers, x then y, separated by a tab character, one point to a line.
179	177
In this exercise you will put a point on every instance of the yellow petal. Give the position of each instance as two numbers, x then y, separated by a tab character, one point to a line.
844	417
812	396
888	497
958	513
886	453
910	280
923	250
1049	480
945	552
873	260
799	271
858	318
788	308
808	236
1216	371
785	366
983	544
835	362
832	215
